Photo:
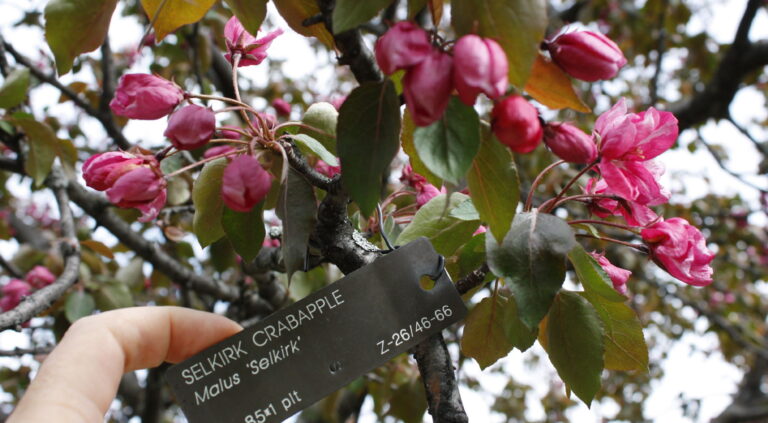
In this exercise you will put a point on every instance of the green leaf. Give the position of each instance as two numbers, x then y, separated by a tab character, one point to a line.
178	190
324	117
73	27
245	230
465	211
575	344
132	274
516	331
14	88
298	210
79	304
206	196
169	15
250	13
434	221
518	26
531	258
296	11
625	347
406	138
43	145
448	146
348	14
592	276
112	295
368	139
308	144
484	338
494	186
415	6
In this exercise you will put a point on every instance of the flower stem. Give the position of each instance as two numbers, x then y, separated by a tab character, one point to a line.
550	204
603	222
639	247
236	86
203	161
529	200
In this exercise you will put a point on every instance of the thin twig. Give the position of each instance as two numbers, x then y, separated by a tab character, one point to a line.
10	268
17	352
722	165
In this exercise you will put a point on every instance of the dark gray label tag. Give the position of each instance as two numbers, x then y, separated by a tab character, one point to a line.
305	352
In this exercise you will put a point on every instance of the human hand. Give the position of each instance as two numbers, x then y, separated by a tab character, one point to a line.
79	379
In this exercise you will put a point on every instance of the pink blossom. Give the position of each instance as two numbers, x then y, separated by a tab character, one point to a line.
480	67
282	107
217	150
570	143
39	277
191	127
634	213
130	181
426	192
618	275
270	242
326	169
411	178
252	51
480	230
628	142
403	46
269	119
244	183
515	122
681	250
13	292
589	56
427	88
228	131
142	96
337	101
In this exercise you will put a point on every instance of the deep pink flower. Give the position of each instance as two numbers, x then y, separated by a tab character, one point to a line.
227	131
142	96
403	46
628	142
282	107
13	292
191	127
426	192
39	277
411	178
252	51
634	213
618	275
570	143
515	122
326	169
681	250
217	150
130	181
337	101
480	66
427	88
269	119
245	183
589	56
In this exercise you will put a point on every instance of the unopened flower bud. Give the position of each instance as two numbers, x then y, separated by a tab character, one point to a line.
244	183
142	96
515	122
40	277
282	107
586	55
217	150
570	143
403	46
13	292
427	88
191	127
480	67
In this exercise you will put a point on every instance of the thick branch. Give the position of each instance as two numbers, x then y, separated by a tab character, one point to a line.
436	369
105	118
70	248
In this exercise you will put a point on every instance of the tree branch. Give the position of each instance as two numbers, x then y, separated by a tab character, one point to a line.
436	368
17	352
10	268
70	248
105	118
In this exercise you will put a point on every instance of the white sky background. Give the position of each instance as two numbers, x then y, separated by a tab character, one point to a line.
683	367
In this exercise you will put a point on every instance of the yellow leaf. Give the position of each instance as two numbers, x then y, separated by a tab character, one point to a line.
550	86
296	11
174	13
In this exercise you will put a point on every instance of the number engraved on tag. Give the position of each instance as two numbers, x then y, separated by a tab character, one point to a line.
302	353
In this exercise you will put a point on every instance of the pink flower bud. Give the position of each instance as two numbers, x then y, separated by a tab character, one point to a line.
40	277
252	51
191	127
480	67
681	250
586	55
426	192
245	183
427	88
228	132
13	292
337	101
282	107
618	275
130	181
326	169
217	150
403	46
516	124
570	143
142	96
269	119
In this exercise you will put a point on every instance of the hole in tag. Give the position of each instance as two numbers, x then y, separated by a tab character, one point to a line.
335	367
426	282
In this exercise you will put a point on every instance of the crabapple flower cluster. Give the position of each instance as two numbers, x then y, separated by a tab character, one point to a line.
424	190
16	289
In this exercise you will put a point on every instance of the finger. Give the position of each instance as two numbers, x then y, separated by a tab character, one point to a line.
79	380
